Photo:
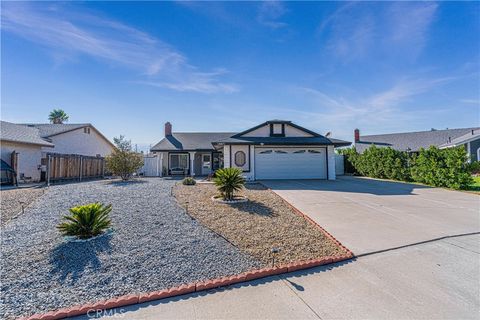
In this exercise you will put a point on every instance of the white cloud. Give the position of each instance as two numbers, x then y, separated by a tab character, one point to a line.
270	12
356	30
69	33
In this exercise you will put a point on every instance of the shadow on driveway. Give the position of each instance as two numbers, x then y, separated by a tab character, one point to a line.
348	184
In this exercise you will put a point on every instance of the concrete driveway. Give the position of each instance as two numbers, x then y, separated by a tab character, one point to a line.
436	279
369	215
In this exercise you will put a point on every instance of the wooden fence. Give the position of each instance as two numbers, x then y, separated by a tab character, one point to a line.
73	167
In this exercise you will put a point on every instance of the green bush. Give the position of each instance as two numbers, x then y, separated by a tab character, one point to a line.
189	181
123	161
228	181
86	221
383	163
350	156
474	167
442	168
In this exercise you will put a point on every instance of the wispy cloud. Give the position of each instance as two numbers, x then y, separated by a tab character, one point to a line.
69	33
384	108
355	30
270	12
471	101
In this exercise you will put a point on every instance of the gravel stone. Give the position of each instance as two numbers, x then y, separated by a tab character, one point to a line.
257	226
11	201
154	245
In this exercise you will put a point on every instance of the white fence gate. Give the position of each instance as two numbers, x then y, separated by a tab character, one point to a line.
339	165
151	166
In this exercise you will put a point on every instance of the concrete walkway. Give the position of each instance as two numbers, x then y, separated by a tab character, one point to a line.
368	215
436	280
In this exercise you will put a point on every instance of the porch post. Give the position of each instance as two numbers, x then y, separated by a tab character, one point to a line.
192	163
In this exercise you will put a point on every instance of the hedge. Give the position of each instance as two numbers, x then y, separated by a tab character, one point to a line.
437	167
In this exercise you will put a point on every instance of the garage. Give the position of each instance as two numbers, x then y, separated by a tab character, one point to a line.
291	163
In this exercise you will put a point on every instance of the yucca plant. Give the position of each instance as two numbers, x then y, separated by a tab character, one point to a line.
228	181
86	221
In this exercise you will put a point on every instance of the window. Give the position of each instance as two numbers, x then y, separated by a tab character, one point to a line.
299	151
280	151
179	160
266	151
314	151
86	130
277	128
240	158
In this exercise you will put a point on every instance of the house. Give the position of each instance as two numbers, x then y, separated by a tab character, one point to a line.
21	149
275	149
414	141
470	141
23	146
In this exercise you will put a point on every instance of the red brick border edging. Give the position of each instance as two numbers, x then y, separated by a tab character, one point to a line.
203	285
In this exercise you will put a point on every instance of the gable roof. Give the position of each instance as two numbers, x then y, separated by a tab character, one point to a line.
51	129
190	141
23	134
411	141
48	130
317	140
474	134
290	123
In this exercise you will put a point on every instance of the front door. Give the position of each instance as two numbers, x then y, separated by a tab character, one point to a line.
206	164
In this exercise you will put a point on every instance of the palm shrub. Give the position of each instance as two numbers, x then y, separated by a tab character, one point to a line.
57	116
228	181
86	221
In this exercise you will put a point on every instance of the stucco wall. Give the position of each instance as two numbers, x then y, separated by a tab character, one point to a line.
29	158
78	142
331	163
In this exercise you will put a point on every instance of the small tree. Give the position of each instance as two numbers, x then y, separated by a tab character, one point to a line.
229	180
124	161
57	116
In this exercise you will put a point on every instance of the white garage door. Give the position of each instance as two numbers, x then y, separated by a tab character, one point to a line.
290	163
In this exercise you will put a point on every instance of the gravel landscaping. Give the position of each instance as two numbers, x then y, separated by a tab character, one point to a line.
257	226
11	202
154	245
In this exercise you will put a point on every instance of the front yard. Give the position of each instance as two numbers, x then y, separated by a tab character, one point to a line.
155	243
257	226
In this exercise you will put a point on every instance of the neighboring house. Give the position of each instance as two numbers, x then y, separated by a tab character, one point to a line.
470	141
413	141
83	139
21	148
24	145
274	149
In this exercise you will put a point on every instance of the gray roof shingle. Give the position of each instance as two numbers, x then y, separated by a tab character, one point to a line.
412	141
22	134
50	129
474	134
185	141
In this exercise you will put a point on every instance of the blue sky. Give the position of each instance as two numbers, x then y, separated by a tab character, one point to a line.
226	66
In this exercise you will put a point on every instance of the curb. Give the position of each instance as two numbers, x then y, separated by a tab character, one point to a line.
127	300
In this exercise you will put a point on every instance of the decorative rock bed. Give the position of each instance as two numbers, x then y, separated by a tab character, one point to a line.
236	199
155	245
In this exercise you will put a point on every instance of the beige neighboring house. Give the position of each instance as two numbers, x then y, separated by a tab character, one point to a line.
24	145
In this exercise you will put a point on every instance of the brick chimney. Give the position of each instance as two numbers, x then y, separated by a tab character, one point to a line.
356	134
168	129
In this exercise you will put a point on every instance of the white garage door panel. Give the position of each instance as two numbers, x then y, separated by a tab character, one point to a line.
290	165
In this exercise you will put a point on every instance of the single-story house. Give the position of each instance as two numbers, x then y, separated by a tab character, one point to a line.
470	141
23	146
414	141
275	149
